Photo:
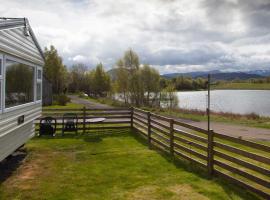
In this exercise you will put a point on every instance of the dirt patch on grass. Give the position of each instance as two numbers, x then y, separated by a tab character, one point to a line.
176	192
31	168
11	164
185	192
145	193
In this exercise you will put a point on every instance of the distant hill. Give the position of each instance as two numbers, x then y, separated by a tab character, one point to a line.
189	74
217	75
231	76
260	72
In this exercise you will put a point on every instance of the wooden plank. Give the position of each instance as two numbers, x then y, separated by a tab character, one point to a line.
144	134
243	153
242	184
190	135
149	129
131	117
91	117
160	130
160	124
140	111
104	122
244	142
60	109
140	120
140	116
160	136
195	128
84	119
171	137
189	158
251	177
140	125
210	153
108	109
107	122
160	143
109	113
161	117
194	144
243	163
195	153
110	117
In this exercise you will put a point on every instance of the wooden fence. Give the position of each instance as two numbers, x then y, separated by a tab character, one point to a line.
240	161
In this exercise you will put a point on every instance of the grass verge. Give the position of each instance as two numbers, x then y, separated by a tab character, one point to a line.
243	86
250	120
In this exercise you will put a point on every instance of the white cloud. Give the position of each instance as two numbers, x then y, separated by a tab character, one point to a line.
172	35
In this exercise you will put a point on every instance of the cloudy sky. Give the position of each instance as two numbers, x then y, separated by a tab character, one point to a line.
171	35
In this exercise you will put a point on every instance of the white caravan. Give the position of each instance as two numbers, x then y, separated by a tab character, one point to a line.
21	62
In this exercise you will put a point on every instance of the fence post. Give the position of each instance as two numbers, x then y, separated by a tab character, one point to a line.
149	128
131	117
171	137
210	152
84	118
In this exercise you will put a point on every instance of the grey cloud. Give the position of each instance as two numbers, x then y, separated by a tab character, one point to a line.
172	35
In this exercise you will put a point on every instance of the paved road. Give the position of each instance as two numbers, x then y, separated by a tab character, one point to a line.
87	103
235	130
228	129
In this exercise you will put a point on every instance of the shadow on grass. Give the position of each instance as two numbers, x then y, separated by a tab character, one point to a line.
11	163
201	172
90	136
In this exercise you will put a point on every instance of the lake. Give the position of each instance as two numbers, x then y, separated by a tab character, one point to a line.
233	101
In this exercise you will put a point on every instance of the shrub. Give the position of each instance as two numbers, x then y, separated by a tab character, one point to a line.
81	94
61	99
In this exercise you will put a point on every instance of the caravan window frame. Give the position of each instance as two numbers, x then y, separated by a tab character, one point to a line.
1	82
15	59
38	80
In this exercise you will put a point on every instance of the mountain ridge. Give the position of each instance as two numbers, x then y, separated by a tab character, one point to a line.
216	74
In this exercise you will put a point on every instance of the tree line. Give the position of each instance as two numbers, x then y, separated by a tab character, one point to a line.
135	83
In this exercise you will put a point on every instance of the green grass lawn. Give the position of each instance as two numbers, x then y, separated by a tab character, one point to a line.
243	86
109	165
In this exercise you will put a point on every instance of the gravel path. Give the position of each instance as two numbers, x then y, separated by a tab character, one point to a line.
223	128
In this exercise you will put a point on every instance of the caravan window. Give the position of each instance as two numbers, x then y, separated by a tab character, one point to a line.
19	84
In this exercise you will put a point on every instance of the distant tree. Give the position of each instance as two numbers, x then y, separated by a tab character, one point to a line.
78	78
55	70
100	81
163	83
150	81
122	82
169	97
130	63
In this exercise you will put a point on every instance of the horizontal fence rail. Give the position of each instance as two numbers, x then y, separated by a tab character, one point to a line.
240	161
114	118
